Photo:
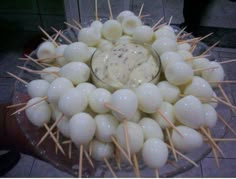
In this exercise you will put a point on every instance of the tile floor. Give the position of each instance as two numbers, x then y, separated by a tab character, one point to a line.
31	167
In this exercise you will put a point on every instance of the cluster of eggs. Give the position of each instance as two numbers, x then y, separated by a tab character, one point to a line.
92	114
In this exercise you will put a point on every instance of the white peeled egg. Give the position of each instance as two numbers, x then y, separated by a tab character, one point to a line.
168	27
189	111
89	36
190	139
185	54
60	59
170	93
210	115
155	153
86	88
151	128
168	111
184	46
136	117
97	25
143	34
149	97
216	74
124	14
164	44
105	45
72	102
215	103
50	76
82	128
101	150
199	63
64	127
97	100
129	23
124	101
77	51
76	72
38	114
106	127
112	30
199	88
135	135
170	57
38	88
178	73
46	50
162	32
57	88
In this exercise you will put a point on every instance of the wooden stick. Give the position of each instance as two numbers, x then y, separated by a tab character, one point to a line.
145	15
211	47
141	10
184	156
38	71
225	96
89	158
57	35
16	105
156	172
136	166
159	26
224	139
81	161
96	10
121	149
66	142
35	61
117	158
214	151
203	69
171	144
109	167
180	32
127	143
228	61
199	56
64	37
51	128
171	17
57	137
224	102
55	140
158	22
109	7
72	26
26	107
48	36
206	36
226	124
109	106
18	78
185	35
90	147
49	65
188	40
211	140
77	23
169	122
69	150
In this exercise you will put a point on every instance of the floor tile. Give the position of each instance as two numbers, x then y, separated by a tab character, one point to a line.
23	167
43	169
227	168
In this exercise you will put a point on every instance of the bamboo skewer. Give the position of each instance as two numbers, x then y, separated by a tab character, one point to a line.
180	32
158	22
70	150
57	137
26	107
184	156
80	161
121	149
38	71
169	122
16	105
117	158
211	47
110	10
228	61
35	61
77	23
204	69
171	17
96	10
188	40
109	167
127	143
64	37
196	57
226	124
171	144
48	36
214	150
55	140
51	128
18	78
136	166
156	172
225	96
225	81
89	158
224	102
72	26
211	140
141	10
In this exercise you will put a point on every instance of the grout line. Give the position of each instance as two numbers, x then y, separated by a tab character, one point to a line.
31	167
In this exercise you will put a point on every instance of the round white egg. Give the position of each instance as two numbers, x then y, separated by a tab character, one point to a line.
143	34
164	44
210	115
89	36
86	88
129	24
101	150
46	50
112	30
60	59
50	76
38	88
170	93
